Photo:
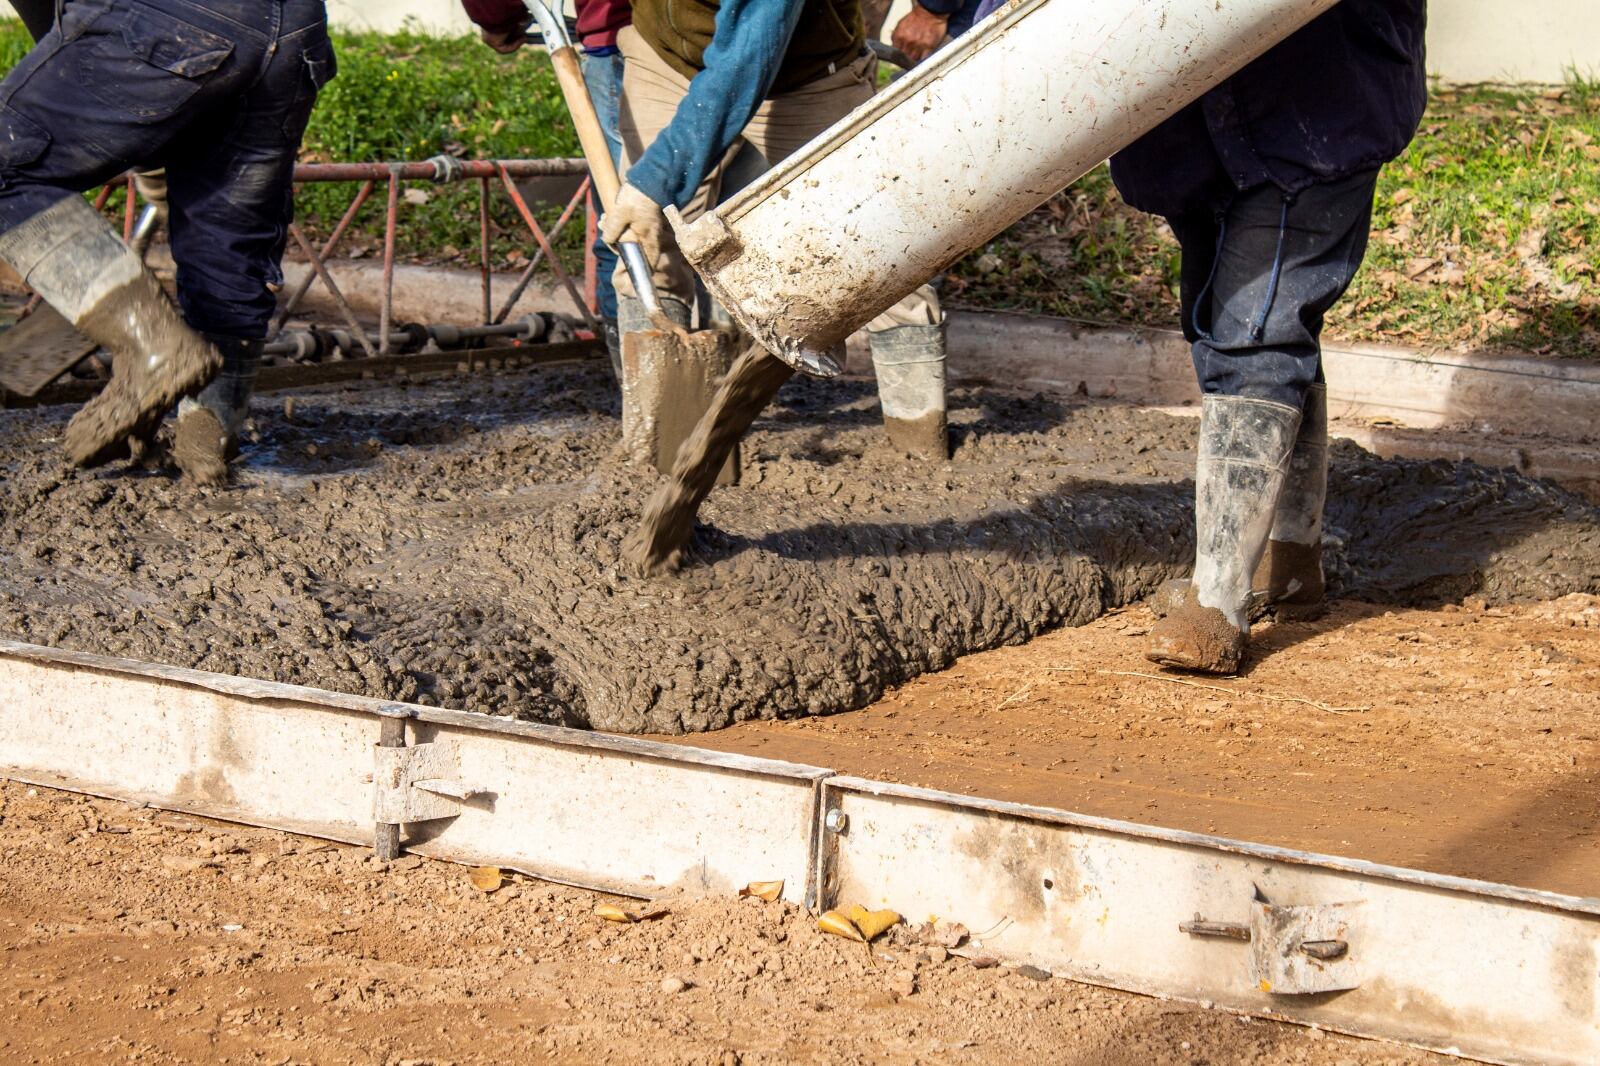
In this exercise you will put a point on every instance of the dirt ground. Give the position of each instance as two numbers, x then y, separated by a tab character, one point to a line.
128	935
1457	740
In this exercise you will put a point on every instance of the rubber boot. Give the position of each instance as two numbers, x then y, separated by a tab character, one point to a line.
207	436
613	340
1290	579
1289	582
909	362
1245	446
71	257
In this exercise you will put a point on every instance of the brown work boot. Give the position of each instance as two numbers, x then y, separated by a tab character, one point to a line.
1193	637
1243	458
71	257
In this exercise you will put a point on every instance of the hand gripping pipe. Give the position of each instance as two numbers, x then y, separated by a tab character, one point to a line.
957	150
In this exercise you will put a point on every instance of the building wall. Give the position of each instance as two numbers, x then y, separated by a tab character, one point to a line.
1468	40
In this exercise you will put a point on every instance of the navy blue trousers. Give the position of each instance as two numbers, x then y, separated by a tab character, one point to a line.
217	91
1259	276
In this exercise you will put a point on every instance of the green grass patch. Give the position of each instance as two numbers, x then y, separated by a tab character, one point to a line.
1486	234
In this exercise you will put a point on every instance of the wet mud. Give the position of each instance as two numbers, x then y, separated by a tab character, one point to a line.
460	543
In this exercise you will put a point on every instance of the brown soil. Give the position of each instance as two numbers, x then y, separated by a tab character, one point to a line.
460	543
129	935
1475	751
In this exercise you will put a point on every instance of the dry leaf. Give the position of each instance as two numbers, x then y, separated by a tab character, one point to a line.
837	924
871	924
487	878
613	913
764	890
651	912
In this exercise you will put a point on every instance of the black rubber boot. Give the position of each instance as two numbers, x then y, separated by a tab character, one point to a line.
207	436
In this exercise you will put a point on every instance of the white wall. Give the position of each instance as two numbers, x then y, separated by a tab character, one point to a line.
1468	40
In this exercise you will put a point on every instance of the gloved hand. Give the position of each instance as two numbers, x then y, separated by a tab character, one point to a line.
509	39
637	219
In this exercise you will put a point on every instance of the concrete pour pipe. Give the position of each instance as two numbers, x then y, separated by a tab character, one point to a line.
950	155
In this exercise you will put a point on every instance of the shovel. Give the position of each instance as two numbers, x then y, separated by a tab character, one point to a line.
669	375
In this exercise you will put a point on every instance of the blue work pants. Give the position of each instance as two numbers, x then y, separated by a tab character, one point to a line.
1259	276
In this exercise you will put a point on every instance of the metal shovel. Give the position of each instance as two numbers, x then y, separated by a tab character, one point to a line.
669	375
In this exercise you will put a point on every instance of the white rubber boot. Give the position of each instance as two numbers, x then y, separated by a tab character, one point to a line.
1245	446
909	362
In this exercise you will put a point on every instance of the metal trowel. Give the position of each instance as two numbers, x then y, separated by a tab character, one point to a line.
669	374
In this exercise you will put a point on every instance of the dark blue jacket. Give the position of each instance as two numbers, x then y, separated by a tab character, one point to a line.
1343	94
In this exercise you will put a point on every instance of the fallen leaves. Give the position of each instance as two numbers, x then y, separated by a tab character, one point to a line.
857	923
769	891
644	912
487	879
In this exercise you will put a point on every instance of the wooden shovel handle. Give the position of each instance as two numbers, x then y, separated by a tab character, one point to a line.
596	149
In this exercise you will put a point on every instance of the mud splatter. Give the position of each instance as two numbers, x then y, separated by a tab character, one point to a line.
460	543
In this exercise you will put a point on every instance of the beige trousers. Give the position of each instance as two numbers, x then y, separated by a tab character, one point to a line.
651	92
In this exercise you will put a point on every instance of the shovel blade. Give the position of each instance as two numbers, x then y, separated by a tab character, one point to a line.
669	378
39	349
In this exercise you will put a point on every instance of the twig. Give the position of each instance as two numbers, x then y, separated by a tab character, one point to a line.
1235	691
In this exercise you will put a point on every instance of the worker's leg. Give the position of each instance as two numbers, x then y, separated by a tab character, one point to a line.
1277	266
651	92
602	74
908	339
109	89
231	202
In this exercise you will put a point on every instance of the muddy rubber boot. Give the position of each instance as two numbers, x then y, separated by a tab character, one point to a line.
1244	459
71	257
1288	583
207	436
1290	578
613	340
909	362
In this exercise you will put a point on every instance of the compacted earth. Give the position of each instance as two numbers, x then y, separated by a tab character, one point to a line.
128	935
456	542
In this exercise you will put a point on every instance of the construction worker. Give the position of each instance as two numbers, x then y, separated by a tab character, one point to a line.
505	29
1267	182
715	94
217	91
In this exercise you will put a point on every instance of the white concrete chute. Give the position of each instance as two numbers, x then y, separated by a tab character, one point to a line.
1464	967
971	140
613	813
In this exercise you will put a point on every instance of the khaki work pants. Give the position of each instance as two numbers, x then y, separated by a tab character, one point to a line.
651	92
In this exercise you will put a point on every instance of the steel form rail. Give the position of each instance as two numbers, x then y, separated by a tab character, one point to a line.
1504	974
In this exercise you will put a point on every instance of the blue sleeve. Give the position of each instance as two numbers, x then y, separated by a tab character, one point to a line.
941	7
741	64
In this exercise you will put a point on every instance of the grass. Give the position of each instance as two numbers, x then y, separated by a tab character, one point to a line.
1486	233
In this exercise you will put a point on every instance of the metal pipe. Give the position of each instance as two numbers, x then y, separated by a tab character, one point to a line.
386	307
426	171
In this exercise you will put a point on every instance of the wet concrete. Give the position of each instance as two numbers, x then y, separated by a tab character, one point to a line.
459	543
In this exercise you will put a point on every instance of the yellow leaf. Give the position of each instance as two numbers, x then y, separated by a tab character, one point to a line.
872	924
613	913
487	878
837	924
765	890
